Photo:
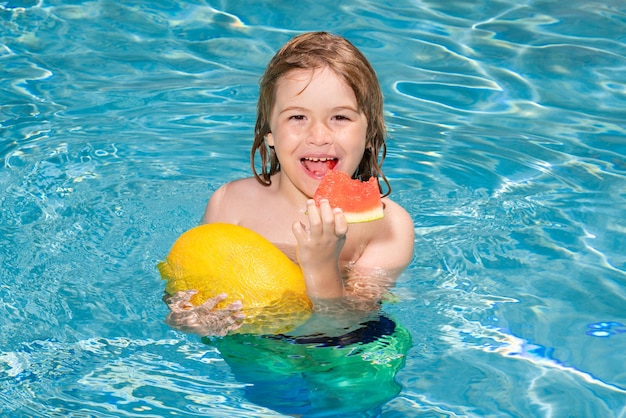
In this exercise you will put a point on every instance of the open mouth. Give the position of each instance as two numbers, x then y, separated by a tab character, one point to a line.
319	166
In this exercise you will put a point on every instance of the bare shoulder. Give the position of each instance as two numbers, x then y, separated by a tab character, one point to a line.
391	241
396	216
398	229
226	202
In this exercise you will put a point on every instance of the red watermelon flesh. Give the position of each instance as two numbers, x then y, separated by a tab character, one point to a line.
359	200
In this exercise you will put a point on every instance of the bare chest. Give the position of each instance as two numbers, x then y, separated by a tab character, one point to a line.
276	226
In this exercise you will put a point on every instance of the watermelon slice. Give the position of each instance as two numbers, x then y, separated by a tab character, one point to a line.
359	200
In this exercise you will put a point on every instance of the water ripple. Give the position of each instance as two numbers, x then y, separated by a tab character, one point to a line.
507	147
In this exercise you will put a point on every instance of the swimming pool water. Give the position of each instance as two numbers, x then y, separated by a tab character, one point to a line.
507	145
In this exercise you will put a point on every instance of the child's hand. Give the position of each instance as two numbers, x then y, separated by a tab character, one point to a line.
325	236
202	319
319	247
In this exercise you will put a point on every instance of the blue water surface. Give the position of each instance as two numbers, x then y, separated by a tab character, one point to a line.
507	145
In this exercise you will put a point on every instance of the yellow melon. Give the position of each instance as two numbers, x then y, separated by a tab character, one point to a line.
223	258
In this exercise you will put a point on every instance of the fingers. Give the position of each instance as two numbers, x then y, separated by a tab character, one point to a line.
341	224
210	303
182	296
180	301
299	231
327	214
235	306
204	319
323	219
314	217
208	307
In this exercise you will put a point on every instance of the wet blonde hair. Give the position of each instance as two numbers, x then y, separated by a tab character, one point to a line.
317	50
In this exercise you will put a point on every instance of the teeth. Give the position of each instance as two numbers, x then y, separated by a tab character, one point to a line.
318	159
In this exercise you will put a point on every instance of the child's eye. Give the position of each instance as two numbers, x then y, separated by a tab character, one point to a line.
341	117
297	117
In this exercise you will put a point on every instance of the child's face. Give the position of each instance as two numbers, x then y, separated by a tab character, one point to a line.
316	125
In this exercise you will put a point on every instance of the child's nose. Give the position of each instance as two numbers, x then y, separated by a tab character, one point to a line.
320	134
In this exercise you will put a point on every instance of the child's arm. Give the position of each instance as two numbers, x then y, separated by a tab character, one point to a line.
387	252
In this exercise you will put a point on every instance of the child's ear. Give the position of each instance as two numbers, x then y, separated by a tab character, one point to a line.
269	138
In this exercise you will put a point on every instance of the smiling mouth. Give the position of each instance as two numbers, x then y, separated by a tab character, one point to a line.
319	166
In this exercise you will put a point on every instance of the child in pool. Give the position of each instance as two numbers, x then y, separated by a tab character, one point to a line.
320	108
